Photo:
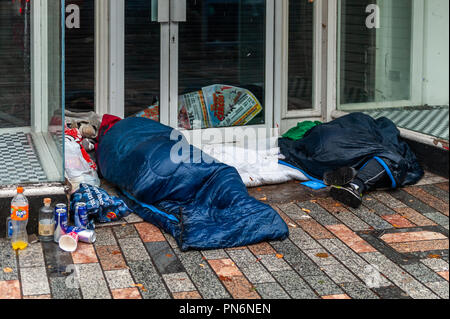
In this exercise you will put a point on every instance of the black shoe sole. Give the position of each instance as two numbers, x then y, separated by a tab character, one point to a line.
340	177
346	196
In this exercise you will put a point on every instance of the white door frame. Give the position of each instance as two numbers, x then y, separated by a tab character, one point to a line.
282	63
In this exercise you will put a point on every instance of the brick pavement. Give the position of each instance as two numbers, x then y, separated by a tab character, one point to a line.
394	247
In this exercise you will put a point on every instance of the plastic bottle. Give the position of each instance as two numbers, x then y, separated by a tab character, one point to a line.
46	221
19	220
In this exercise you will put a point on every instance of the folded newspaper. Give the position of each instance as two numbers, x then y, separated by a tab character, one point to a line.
213	106
217	106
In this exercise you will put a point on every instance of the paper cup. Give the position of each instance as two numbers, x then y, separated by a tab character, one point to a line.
69	242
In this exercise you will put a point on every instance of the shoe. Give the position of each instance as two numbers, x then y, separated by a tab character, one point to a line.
340	177
347	195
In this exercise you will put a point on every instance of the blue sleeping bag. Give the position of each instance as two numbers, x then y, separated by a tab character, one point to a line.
203	204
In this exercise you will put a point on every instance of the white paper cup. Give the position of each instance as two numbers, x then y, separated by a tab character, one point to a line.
69	242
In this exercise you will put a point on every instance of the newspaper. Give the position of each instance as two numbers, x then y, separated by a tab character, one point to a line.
217	106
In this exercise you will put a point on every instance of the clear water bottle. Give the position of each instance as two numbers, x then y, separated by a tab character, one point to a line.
46	221
19	220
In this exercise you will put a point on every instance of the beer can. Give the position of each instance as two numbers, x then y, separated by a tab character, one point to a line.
81	215
84	235
61	224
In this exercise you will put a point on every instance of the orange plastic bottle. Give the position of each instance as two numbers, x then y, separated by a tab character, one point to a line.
19	220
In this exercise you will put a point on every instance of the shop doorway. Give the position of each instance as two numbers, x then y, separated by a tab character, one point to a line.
195	64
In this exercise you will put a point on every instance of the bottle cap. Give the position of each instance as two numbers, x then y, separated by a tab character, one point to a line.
47	201
19	190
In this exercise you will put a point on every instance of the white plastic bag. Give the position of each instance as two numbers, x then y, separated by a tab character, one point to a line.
77	169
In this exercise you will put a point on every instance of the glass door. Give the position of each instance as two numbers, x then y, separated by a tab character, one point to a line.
221	62
142	59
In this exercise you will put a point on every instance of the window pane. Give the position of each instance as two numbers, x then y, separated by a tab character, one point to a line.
301	50
142	60
15	75
375	63
80	59
222	64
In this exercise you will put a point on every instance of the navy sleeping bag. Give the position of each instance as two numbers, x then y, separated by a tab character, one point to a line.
351	141
203	204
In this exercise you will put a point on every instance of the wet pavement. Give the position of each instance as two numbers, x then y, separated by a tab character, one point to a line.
394	247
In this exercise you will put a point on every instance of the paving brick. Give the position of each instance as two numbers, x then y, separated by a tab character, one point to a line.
38	297
438	218
92	282
297	259
370	218
293	211
273	263
250	266
353	261
437	192
10	289
240	288
271	291
202	275
430	178
411	236
85	254
127	293
165	260
391	292
187	295
412	202
319	214
341	296
34	281
428	199
8	262
398	276
33	256
63	290
111	257
414	217
179	282
215	254
428	245
323	285
119	279
437	265
133	249
376	206
422	273
314	229
105	237
388	200
125	231
149	233
133	218
339	274
343	214
263	248
299	237
321	257
443	186
398	221
358	290
294	285
351	239
144	273
440	288
56	260
225	267
443	274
